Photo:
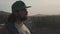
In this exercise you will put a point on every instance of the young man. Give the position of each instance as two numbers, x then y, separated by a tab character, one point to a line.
15	23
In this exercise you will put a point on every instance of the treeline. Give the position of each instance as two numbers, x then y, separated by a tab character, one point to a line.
46	21
3	16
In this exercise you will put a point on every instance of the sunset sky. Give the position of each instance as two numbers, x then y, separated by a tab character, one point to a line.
46	7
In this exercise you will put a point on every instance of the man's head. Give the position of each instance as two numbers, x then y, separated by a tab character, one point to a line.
21	14
19	10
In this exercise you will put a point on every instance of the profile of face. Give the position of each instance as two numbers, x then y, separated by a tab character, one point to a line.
21	14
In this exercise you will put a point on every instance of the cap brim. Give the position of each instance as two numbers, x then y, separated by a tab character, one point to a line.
28	7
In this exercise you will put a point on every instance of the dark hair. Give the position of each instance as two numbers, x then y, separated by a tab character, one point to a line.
11	18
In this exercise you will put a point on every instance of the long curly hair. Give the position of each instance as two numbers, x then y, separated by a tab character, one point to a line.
11	18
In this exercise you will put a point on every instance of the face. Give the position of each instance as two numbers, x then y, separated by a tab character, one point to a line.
22	14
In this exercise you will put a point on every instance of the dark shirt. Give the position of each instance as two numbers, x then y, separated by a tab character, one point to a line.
11	28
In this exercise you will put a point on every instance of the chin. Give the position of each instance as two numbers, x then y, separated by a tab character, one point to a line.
22	19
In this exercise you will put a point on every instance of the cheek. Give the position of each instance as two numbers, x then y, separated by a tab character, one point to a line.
26	13
16	14
23	13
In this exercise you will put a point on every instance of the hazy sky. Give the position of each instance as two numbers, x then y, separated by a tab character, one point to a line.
38	6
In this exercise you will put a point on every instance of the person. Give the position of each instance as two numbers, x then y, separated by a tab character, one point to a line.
15	23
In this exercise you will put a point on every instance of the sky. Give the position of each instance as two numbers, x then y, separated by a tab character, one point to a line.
46	7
